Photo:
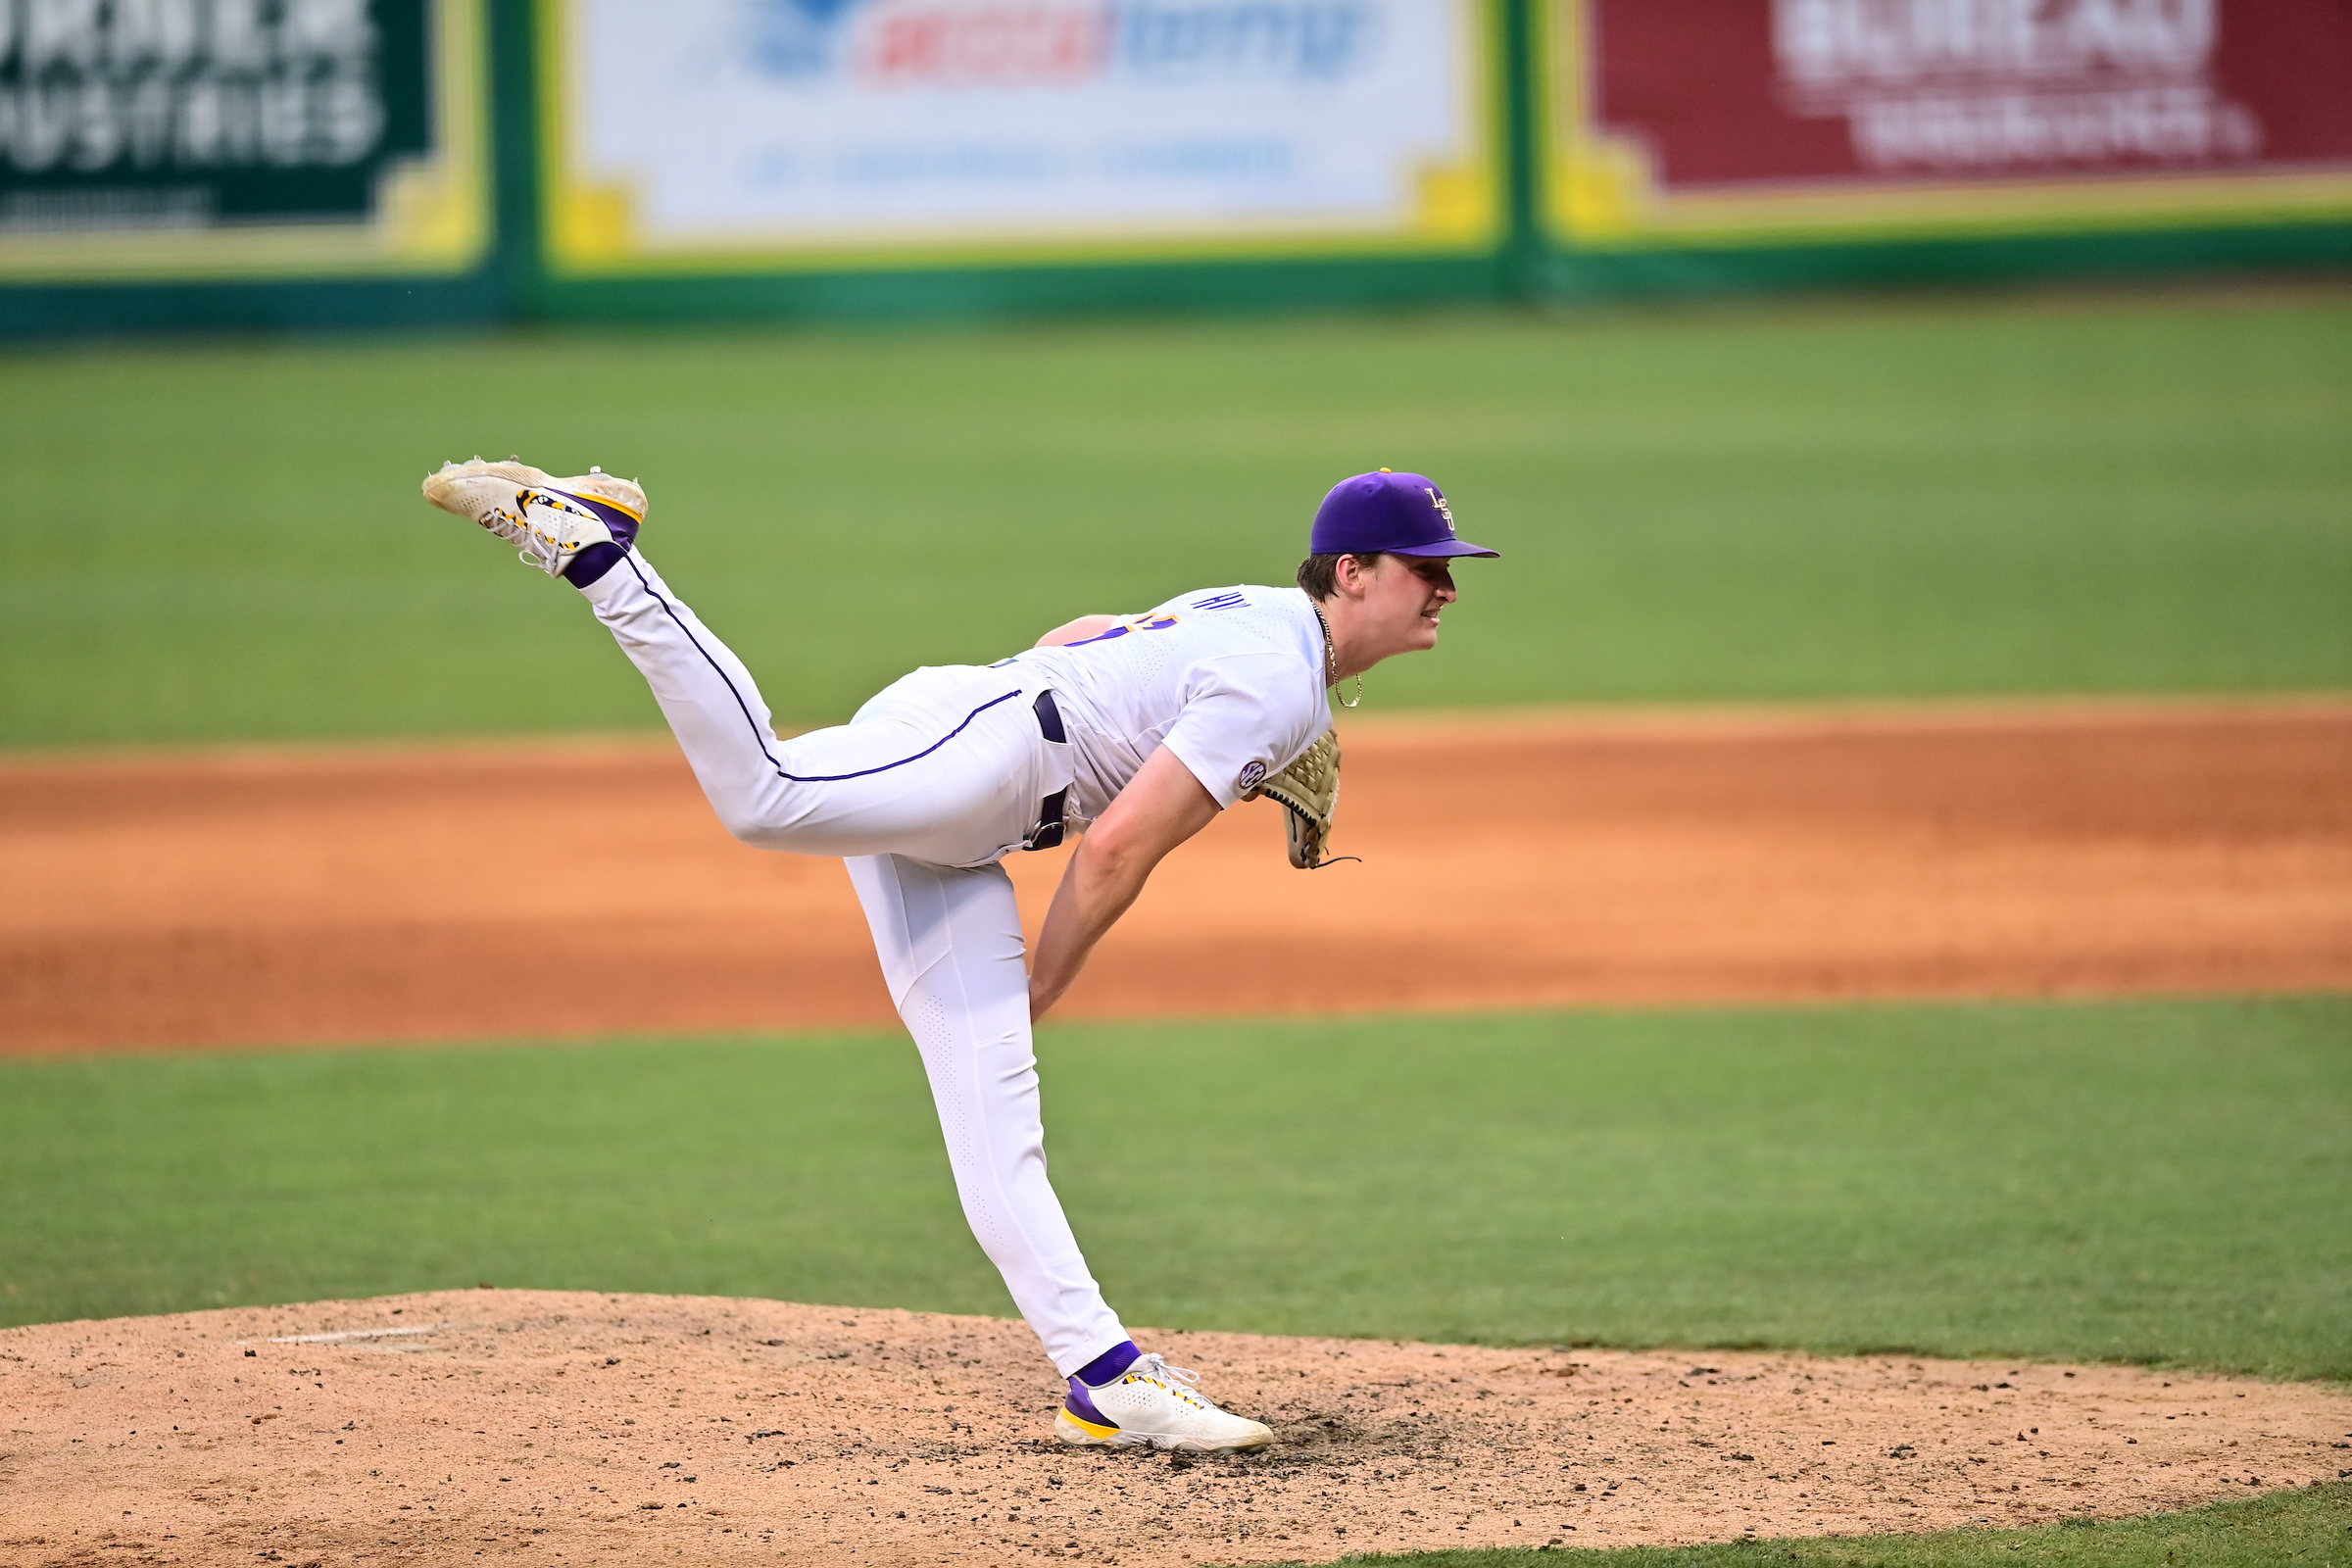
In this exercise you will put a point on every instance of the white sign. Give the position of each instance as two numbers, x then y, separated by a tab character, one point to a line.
727	126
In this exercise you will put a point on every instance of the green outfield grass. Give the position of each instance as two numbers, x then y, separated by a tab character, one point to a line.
210	540
2159	1183
2312	1528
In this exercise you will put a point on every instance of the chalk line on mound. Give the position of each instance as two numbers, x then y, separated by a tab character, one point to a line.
347	1333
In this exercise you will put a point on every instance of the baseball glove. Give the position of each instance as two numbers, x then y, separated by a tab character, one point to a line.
1309	791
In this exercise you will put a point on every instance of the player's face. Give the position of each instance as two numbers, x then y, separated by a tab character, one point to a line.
1405	595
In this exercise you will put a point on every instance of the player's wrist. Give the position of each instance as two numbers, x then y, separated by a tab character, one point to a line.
1042	997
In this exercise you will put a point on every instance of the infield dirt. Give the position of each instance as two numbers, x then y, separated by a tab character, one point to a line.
580	1427
1507	862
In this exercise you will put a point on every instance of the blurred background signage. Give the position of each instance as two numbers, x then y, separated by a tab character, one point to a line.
203	137
723	131
1745	115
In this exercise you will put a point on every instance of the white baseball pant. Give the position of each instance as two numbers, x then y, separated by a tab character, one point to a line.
922	793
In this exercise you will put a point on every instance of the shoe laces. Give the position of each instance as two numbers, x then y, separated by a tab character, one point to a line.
544	537
1180	1381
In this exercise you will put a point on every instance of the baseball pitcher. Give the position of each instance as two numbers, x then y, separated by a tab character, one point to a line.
1134	731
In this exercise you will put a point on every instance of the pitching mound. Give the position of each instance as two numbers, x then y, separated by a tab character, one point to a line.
624	1429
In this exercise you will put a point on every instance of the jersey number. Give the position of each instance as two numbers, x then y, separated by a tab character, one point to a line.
1139	624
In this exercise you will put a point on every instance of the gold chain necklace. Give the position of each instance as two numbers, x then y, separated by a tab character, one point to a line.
1330	659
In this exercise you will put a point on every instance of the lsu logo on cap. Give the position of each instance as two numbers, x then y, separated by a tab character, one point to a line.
1437	501
1253	774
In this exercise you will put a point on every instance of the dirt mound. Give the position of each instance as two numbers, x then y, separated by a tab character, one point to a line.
1523	861
624	1429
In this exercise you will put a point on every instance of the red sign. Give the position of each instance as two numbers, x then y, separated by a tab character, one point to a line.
1732	94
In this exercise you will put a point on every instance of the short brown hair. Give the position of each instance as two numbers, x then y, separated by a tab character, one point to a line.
1319	576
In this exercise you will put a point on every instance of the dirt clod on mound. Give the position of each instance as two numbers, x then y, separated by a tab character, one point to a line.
626	1429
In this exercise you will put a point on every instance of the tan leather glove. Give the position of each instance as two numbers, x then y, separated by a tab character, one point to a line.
1310	790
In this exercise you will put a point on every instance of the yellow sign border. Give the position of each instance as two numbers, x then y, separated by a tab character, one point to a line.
588	233
1599	190
433	215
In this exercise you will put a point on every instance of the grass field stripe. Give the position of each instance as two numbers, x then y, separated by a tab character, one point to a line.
2024	561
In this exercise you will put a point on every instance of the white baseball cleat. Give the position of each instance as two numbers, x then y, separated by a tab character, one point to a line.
549	520
1156	1404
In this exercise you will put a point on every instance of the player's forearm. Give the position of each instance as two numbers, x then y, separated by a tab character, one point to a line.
1102	883
1160	807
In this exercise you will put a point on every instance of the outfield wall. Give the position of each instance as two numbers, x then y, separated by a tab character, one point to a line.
260	163
299	163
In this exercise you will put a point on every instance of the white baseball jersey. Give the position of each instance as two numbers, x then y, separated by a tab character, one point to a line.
939	777
1230	679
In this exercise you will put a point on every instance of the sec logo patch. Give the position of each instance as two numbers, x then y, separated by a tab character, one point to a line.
1253	775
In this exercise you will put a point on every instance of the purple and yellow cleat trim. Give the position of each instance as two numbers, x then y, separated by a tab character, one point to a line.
1079	1411
619	520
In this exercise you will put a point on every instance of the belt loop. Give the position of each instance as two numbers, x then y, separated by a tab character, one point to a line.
1049	717
1055	807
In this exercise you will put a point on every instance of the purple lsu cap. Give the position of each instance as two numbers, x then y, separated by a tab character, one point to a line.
1398	513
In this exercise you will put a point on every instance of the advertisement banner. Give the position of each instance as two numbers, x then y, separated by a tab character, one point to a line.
747	133
161	140
1743	119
